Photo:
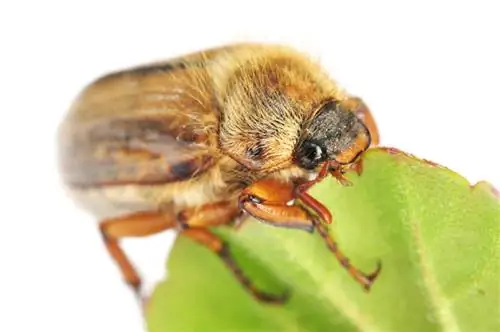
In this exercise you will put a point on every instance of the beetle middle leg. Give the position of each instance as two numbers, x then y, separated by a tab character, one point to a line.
192	223
268	200
135	225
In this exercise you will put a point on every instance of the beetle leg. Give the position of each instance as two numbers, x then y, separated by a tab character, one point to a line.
195	222
216	245
366	280
269	201
135	225
142	224
268	209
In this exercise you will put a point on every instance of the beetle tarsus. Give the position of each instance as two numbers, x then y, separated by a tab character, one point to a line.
227	258
273	299
136	287
370	278
366	280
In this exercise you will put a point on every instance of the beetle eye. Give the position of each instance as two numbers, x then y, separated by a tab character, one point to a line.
311	154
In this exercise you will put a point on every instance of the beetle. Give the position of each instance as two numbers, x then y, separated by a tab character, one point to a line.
205	138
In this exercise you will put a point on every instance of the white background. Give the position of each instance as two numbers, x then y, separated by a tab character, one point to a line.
429	71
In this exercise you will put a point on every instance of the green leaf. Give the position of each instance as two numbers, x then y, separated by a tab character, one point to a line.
438	239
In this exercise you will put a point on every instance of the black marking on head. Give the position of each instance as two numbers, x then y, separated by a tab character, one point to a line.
334	127
332	130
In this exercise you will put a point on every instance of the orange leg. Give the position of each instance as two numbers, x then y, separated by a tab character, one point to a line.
268	201
135	225
216	245
301	190
261	200
366	280
192	223
279	202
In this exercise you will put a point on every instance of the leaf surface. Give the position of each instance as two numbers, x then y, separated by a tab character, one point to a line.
438	239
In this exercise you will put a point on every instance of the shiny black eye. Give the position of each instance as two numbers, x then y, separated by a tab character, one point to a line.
311	154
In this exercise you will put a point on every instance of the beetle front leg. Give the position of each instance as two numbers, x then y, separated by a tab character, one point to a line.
216	245
194	223
366	280
267	200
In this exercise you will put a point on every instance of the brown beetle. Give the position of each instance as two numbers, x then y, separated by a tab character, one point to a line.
193	142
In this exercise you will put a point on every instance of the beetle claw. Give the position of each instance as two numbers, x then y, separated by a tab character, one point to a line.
370	278
273	299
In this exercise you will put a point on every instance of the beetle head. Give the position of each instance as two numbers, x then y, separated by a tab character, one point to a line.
334	134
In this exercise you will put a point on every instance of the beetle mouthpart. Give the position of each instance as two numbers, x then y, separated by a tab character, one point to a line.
338	174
